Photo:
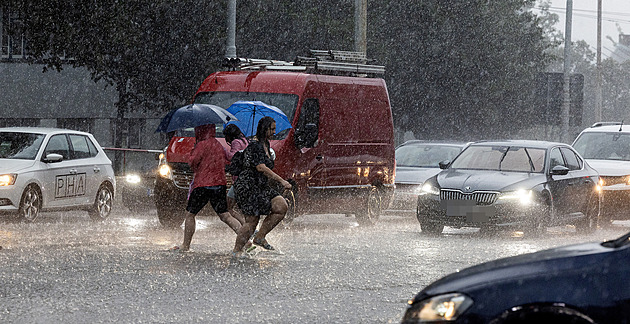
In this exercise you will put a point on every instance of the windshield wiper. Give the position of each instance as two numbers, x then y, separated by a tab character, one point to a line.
617	242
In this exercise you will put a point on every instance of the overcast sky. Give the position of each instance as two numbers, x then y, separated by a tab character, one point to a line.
615	17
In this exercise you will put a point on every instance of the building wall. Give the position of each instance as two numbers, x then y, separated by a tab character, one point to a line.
70	98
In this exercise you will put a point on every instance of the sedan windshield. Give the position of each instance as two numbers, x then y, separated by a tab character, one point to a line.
501	158
425	156
23	146
604	146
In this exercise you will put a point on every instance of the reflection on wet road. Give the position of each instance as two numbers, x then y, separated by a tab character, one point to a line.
66	269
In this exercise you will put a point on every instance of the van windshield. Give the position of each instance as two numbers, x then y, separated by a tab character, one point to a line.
224	99
604	146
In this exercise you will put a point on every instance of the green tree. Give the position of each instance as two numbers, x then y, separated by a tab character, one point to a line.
459	69
154	52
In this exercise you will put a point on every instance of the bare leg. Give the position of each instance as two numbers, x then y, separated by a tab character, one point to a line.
236	213
189	229
279	208
245	232
231	221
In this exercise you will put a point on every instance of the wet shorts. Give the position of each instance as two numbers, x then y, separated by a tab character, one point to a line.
200	196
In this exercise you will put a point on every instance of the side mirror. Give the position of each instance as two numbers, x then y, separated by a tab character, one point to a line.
52	158
306	137
444	164
559	170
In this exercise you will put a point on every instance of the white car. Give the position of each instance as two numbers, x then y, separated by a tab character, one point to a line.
46	169
606	147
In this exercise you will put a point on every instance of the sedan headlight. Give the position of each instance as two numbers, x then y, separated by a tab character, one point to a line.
133	178
522	196
439	308
429	189
7	179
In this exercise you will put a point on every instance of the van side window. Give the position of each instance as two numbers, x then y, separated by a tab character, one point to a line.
307	129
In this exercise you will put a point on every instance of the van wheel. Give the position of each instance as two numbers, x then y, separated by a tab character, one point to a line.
168	216
30	205
102	204
373	207
291	197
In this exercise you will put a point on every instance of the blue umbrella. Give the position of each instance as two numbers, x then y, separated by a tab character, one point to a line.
249	113
194	115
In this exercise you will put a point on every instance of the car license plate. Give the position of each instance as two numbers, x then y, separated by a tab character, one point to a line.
469	209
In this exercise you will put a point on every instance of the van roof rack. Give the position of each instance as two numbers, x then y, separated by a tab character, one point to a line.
319	62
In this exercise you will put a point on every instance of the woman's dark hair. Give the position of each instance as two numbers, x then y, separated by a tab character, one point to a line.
232	132
263	125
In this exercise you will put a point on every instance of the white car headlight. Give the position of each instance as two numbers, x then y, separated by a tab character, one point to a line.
428	189
7	179
133	178
439	308
522	196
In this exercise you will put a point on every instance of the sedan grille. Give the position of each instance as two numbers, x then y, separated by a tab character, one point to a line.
480	197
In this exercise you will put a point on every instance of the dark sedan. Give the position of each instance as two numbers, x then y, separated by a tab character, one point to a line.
525	184
580	284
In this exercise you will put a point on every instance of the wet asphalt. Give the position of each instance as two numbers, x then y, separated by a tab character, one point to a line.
65	268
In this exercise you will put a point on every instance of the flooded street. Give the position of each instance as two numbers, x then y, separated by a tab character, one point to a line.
66	269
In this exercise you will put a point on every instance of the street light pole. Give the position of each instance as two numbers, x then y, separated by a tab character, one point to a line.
566	103
598	89
230	48
360	26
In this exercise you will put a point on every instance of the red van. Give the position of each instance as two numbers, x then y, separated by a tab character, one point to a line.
339	155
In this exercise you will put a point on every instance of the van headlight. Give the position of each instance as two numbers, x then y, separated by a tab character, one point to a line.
429	189
522	196
441	308
165	171
7	179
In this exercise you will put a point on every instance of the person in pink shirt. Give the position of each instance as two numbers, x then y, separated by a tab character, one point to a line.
207	161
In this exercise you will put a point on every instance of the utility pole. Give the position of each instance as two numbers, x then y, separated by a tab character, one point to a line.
230	48
360	26
598	89
566	103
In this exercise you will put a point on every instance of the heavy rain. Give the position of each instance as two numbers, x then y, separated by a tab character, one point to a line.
365	229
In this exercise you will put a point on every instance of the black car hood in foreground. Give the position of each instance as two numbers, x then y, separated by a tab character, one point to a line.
487	180
526	265
588	277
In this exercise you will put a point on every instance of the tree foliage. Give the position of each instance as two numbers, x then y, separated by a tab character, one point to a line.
455	69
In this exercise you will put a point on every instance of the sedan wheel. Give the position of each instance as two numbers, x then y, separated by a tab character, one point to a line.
102	205
30	205
588	224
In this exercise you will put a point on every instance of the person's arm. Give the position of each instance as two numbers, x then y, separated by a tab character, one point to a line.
272	175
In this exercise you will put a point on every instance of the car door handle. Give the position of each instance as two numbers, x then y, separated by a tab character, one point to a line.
319	157
73	171
97	170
